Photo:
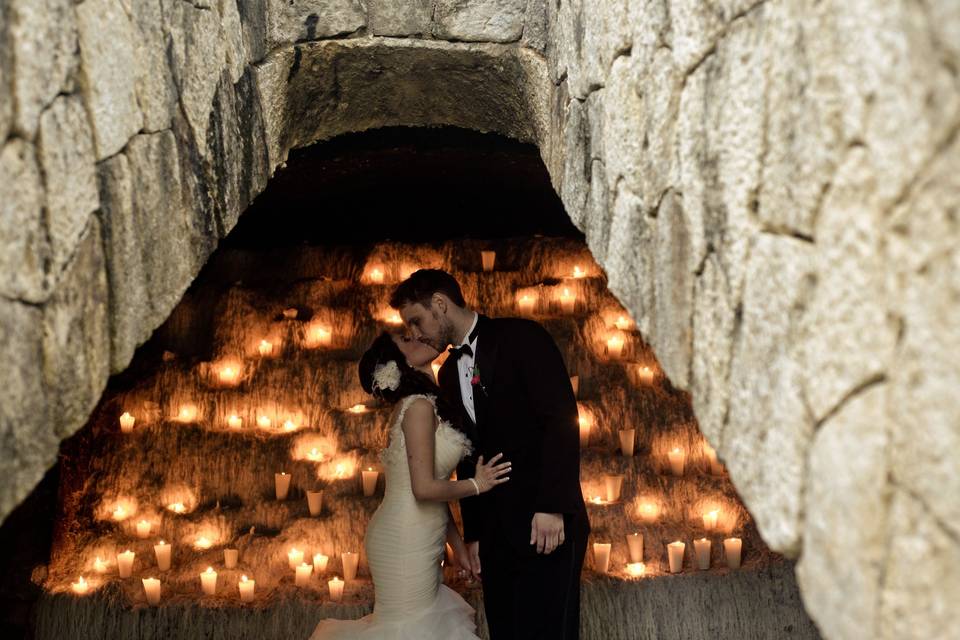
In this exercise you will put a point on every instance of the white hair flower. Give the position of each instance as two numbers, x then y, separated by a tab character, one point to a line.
386	376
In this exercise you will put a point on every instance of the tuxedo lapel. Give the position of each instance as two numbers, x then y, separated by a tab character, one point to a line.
486	362
449	382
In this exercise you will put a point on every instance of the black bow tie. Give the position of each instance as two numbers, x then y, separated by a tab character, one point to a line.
465	349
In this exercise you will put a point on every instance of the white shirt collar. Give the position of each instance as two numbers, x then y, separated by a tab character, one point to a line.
466	338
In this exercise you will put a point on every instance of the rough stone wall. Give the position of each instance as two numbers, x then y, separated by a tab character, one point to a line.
772	187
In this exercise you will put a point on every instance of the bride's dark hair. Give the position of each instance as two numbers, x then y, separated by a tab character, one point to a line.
382	351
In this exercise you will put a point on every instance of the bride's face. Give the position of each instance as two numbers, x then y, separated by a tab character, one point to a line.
417	353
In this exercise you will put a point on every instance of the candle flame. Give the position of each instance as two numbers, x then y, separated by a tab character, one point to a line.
578	272
636	569
243	579
209	570
177	507
289	425
358	408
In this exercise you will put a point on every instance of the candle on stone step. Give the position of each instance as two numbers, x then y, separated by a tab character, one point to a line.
265	348
702	548
125	563
645	374
151	588
246	587
143	529
613	483
294	557
162	550
177	507
126	422
525	304
635	546
203	542
289	425
601	556
358	408
120	514
575	383
488	258
315	455
648	512
208	581
376	275
314	502
568	300
302	577
586	424
188	413
370	481
678	458
80	586
710	519
336	589
230	557
715	467
350	561
627	439
623	323
229	375
675	556
732	549
321	336
320	563
234	422
615	346
578	272
290	313
100	565
281	484
636	569
264	422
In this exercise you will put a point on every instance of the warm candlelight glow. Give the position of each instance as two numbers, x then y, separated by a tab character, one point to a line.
394	319
264	422
350	561
645	374
627	439
125	563
315	455
289	425
376	275
229	375
187	413
319	336
294	557
100	566
151	588
526	304
336	589
636	569
358	408
208	581
314	502
715	467
578	272
126	422
177	507
678	458
246	587
302	575
675	556
635	546
80	586
710	519
732	549
120	514
143	529
320	563
601	556
488	258
281	484
623	323
234	422
265	348
369	478
596	500
615	346
613	484
586	424
436	370
202	543
162	551
648	512
702	549
568	301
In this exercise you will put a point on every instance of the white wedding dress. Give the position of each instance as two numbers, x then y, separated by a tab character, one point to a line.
405	542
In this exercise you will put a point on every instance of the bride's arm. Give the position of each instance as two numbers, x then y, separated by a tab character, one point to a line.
419	428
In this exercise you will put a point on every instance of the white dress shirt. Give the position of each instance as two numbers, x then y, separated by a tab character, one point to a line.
465	369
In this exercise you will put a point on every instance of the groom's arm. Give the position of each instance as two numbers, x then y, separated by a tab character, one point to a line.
469	506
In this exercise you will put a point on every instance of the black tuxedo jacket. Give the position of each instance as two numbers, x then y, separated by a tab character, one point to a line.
526	409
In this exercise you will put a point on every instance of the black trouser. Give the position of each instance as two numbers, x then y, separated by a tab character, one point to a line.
530	596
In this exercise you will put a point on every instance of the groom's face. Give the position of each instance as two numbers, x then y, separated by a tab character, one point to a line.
429	325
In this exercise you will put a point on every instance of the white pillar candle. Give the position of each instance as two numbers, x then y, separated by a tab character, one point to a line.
336	589
143	529
575	383
488	258
623	323
265	348
126	422
246	587
645	374
675	556
203	542
177	507
125	563
601	556
613	483
627	439
677	459
99	565
648	512
369	481
615	346
586	424
151	587
568	300
208	581
264	422
376	275
120	514
162	551
358	408
282	484
229	375
315	502
294	558
710	519
320	337
715	467
80	586
635	546
526	304
302	577
702	548
320	563
234	422
350	561
636	569
732	549
289	425
578	272
230	557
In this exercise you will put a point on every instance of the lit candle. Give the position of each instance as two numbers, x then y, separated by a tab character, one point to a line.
586	423
710	519
715	467
208	581
648	512
315	502
234	422
615	346
188	413
230	557
80	586
568	300
677	459
575	383
281	484
265	348
636	569
358	408
613	484
264	422
436	370
376	275
321	336
229	375
162	551
302	577
177	507
315	455
246	587
578	272
294	557
203	542
289	425
645	374
143	529
601	556
336	589
320	563
596	500
488	258
120	514
526	304
627	438
126	422
702	547
100	566
151	587
675	555
125	563
623	323
635	545
369	481
350	561
732	548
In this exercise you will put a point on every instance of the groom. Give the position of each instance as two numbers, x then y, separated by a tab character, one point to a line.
526	538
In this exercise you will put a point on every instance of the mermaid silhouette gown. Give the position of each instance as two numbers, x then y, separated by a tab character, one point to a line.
405	542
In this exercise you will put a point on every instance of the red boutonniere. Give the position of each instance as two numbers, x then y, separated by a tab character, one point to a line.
475	380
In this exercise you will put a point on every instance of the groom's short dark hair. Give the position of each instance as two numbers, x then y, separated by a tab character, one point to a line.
422	284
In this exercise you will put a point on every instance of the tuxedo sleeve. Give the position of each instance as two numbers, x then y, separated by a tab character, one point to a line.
555	407
470	506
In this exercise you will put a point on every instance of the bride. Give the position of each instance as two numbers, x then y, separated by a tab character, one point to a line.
405	538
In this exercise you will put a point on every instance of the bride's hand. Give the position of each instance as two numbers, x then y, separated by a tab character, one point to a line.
491	474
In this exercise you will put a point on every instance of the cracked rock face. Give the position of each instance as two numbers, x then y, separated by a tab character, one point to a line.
770	186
